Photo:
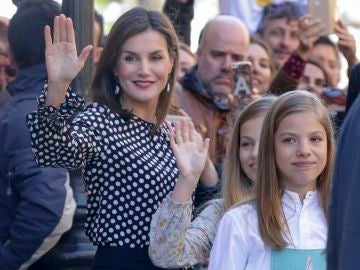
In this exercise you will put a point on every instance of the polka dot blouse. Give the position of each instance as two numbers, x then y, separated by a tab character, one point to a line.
127	171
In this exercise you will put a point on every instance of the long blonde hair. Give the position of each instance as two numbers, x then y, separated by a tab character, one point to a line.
272	222
236	186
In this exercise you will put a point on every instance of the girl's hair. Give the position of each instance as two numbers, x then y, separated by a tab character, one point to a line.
256	39
272	223
236	186
133	22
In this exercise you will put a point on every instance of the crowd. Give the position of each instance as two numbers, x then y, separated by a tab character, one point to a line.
233	157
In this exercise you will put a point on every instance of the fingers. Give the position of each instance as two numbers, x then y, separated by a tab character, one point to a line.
70	34
62	23
84	54
184	130
56	29
192	132
205	145
47	34
183	113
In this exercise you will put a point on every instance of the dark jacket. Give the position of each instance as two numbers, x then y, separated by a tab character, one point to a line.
354	86
36	204
344	215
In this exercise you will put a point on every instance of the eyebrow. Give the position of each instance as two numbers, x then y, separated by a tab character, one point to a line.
294	134
246	138
131	52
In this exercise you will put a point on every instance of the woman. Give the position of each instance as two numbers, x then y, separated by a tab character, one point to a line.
120	142
263	68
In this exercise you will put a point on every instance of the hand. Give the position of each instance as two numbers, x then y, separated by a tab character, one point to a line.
346	43
191	152
62	61
310	29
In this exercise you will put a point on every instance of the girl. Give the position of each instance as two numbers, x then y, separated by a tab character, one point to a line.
285	226
175	241
120	142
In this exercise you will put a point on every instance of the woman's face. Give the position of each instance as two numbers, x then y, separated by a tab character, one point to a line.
313	79
249	145
261	64
143	68
326	56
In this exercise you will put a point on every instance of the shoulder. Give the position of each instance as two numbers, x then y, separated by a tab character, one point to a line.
216	206
96	113
213	210
242	214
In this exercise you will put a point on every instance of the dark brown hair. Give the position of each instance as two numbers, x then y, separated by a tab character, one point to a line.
134	21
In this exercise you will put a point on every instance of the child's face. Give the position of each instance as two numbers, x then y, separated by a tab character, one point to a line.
249	146
300	151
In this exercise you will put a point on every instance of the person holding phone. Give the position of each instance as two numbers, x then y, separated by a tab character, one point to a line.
205	92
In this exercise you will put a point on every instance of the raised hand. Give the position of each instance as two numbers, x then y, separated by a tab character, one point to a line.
191	153
310	29
346	43
62	60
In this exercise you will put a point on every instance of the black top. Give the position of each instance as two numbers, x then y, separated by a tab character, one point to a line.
127	171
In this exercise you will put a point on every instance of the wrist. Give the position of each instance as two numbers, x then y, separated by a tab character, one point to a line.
183	190
56	93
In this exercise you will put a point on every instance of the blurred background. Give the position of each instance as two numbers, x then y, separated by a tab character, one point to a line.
203	11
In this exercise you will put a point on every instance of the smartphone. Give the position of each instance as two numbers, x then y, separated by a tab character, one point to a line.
176	118
242	78
325	10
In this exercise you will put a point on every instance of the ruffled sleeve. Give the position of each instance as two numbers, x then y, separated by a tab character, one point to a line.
175	241
57	140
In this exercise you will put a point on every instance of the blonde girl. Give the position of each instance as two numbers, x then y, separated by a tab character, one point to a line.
285	226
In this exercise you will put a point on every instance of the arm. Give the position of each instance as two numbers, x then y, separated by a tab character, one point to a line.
191	153
346	44
230	247
54	141
175	241
209	176
58	141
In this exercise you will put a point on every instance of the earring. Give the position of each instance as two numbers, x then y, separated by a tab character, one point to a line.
168	87
117	85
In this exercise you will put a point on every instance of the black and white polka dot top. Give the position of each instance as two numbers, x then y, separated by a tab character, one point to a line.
127	171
